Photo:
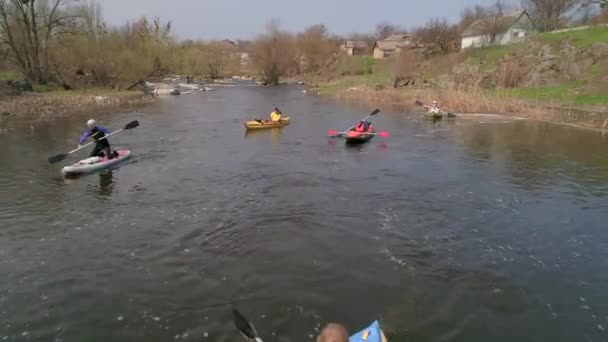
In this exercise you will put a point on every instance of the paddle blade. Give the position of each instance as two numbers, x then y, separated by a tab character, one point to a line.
376	111
332	133
57	158
418	103
384	134
132	124
244	326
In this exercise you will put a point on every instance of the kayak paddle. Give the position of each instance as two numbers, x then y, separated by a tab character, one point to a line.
450	115
334	133
59	157
245	327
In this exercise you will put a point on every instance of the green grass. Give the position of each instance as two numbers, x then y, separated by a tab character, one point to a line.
580	39
45	88
93	91
492	53
562	94
544	93
10	75
590	100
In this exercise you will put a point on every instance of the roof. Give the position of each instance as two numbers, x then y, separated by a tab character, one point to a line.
358	44
506	21
393	42
396	38
229	42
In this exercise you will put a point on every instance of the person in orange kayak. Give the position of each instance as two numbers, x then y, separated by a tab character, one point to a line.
363	126
275	116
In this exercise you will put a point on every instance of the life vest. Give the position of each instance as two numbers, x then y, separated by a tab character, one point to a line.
361	126
97	134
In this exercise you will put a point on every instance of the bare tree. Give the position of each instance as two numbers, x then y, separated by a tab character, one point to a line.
470	15
550	14
370	39
441	33
495	24
273	54
26	29
385	29
217	56
316	47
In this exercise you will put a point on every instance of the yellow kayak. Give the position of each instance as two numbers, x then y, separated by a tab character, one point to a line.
264	124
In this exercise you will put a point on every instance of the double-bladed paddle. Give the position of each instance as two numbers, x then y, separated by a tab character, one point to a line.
340	134
59	157
334	133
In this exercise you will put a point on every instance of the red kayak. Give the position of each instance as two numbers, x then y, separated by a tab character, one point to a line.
353	137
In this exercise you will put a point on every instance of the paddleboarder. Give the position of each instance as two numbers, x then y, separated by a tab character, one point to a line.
97	133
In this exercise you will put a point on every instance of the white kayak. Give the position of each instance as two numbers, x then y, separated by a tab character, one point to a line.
93	164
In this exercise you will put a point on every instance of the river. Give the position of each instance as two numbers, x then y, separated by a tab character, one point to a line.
475	229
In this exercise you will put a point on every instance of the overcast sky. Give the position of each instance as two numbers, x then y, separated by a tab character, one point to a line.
219	19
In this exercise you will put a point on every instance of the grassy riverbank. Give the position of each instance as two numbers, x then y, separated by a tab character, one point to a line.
558	77
51	104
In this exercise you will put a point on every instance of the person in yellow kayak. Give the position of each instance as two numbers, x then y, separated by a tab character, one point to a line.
275	116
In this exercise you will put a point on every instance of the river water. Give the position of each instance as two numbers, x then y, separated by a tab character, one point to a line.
477	229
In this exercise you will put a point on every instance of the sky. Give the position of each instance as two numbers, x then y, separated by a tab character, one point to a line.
244	19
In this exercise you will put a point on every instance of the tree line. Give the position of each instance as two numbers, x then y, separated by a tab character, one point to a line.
68	42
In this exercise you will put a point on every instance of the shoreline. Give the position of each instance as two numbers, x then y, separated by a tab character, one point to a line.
472	102
52	105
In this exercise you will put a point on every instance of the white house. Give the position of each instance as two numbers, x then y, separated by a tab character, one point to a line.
511	28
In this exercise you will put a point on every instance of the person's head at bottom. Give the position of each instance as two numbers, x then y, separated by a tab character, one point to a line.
333	332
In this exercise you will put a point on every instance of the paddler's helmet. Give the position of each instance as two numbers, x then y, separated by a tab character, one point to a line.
434	103
91	123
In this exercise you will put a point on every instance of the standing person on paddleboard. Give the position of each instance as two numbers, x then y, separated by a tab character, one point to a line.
97	133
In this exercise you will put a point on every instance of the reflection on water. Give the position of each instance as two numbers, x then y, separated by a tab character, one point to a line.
106	183
458	231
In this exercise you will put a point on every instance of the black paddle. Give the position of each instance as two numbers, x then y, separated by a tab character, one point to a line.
59	157
245	327
450	115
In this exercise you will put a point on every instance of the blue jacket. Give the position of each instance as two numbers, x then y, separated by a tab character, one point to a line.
94	133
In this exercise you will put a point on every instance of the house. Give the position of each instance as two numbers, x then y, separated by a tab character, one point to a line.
228	44
392	45
355	47
245	59
503	30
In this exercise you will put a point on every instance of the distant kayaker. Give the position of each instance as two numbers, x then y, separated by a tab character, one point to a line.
333	333
97	133
434	108
275	116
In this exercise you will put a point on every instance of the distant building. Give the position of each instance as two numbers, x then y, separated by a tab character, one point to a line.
355	47
392	45
244	59
515	27
229	44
